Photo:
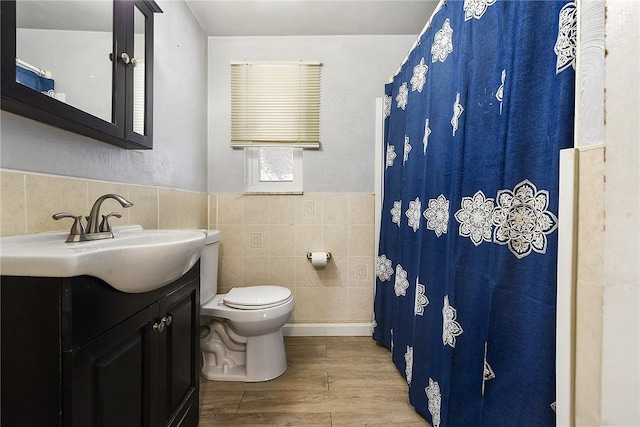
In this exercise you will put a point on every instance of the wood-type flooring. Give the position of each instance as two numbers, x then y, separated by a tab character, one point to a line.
330	382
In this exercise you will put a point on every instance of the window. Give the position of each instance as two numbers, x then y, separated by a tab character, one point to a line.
275	113
273	170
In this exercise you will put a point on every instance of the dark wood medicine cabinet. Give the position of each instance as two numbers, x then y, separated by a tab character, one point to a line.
86	67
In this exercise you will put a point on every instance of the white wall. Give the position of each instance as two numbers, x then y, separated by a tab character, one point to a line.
355	69
74	75
178	159
621	293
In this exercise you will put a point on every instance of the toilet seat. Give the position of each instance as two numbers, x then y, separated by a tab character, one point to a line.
256	297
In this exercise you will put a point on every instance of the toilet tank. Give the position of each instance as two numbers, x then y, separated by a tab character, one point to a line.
209	266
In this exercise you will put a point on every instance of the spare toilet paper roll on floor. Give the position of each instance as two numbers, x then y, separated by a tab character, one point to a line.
319	259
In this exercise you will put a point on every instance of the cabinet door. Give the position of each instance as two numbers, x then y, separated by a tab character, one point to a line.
139	74
29	354
107	381
93	97
179	348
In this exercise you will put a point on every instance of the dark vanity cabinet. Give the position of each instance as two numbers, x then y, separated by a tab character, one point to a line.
86	67
76	352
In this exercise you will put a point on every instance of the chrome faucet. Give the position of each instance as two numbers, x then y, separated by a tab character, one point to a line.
95	229
93	220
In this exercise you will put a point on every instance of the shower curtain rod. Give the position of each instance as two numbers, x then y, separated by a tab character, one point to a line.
39	71
424	29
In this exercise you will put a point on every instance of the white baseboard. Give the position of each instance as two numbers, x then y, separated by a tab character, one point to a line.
327	330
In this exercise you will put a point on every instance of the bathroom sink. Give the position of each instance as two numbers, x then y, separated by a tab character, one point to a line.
134	261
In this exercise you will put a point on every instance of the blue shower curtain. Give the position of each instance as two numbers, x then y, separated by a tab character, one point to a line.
34	81
466	268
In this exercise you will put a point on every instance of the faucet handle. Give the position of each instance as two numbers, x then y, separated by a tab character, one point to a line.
104	225
77	228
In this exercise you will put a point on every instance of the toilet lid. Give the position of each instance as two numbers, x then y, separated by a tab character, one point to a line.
256	297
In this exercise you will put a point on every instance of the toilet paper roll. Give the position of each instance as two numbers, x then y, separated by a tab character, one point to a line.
319	259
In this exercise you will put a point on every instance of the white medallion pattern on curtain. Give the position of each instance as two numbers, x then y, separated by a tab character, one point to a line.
413	214
419	76
500	91
487	372
450	327
437	215
401	284
442	43
407	150
522	220
476	8
425	140
519	219
457	112
387	106
384	270
403	96
421	298
391	155
476	218
408	363
565	47
396	212
434	401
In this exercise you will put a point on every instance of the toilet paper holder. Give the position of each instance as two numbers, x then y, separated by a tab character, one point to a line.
309	256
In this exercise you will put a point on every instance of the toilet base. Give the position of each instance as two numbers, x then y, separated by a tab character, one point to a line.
235	373
265	360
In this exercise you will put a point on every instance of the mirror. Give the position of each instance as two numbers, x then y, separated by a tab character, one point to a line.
85	66
64	48
138	71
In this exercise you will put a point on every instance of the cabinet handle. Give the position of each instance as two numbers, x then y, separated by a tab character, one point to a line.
104	225
159	327
125	58
77	229
134	62
164	321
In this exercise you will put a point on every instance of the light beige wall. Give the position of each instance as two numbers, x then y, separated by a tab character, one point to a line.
28	200
621	275
265	240
607	381
590	253
590	160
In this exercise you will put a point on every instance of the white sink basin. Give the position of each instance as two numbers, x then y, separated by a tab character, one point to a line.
134	261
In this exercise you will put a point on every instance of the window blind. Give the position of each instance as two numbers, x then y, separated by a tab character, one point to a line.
275	104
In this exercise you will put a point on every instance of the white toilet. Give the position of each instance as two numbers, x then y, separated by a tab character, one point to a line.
241	331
